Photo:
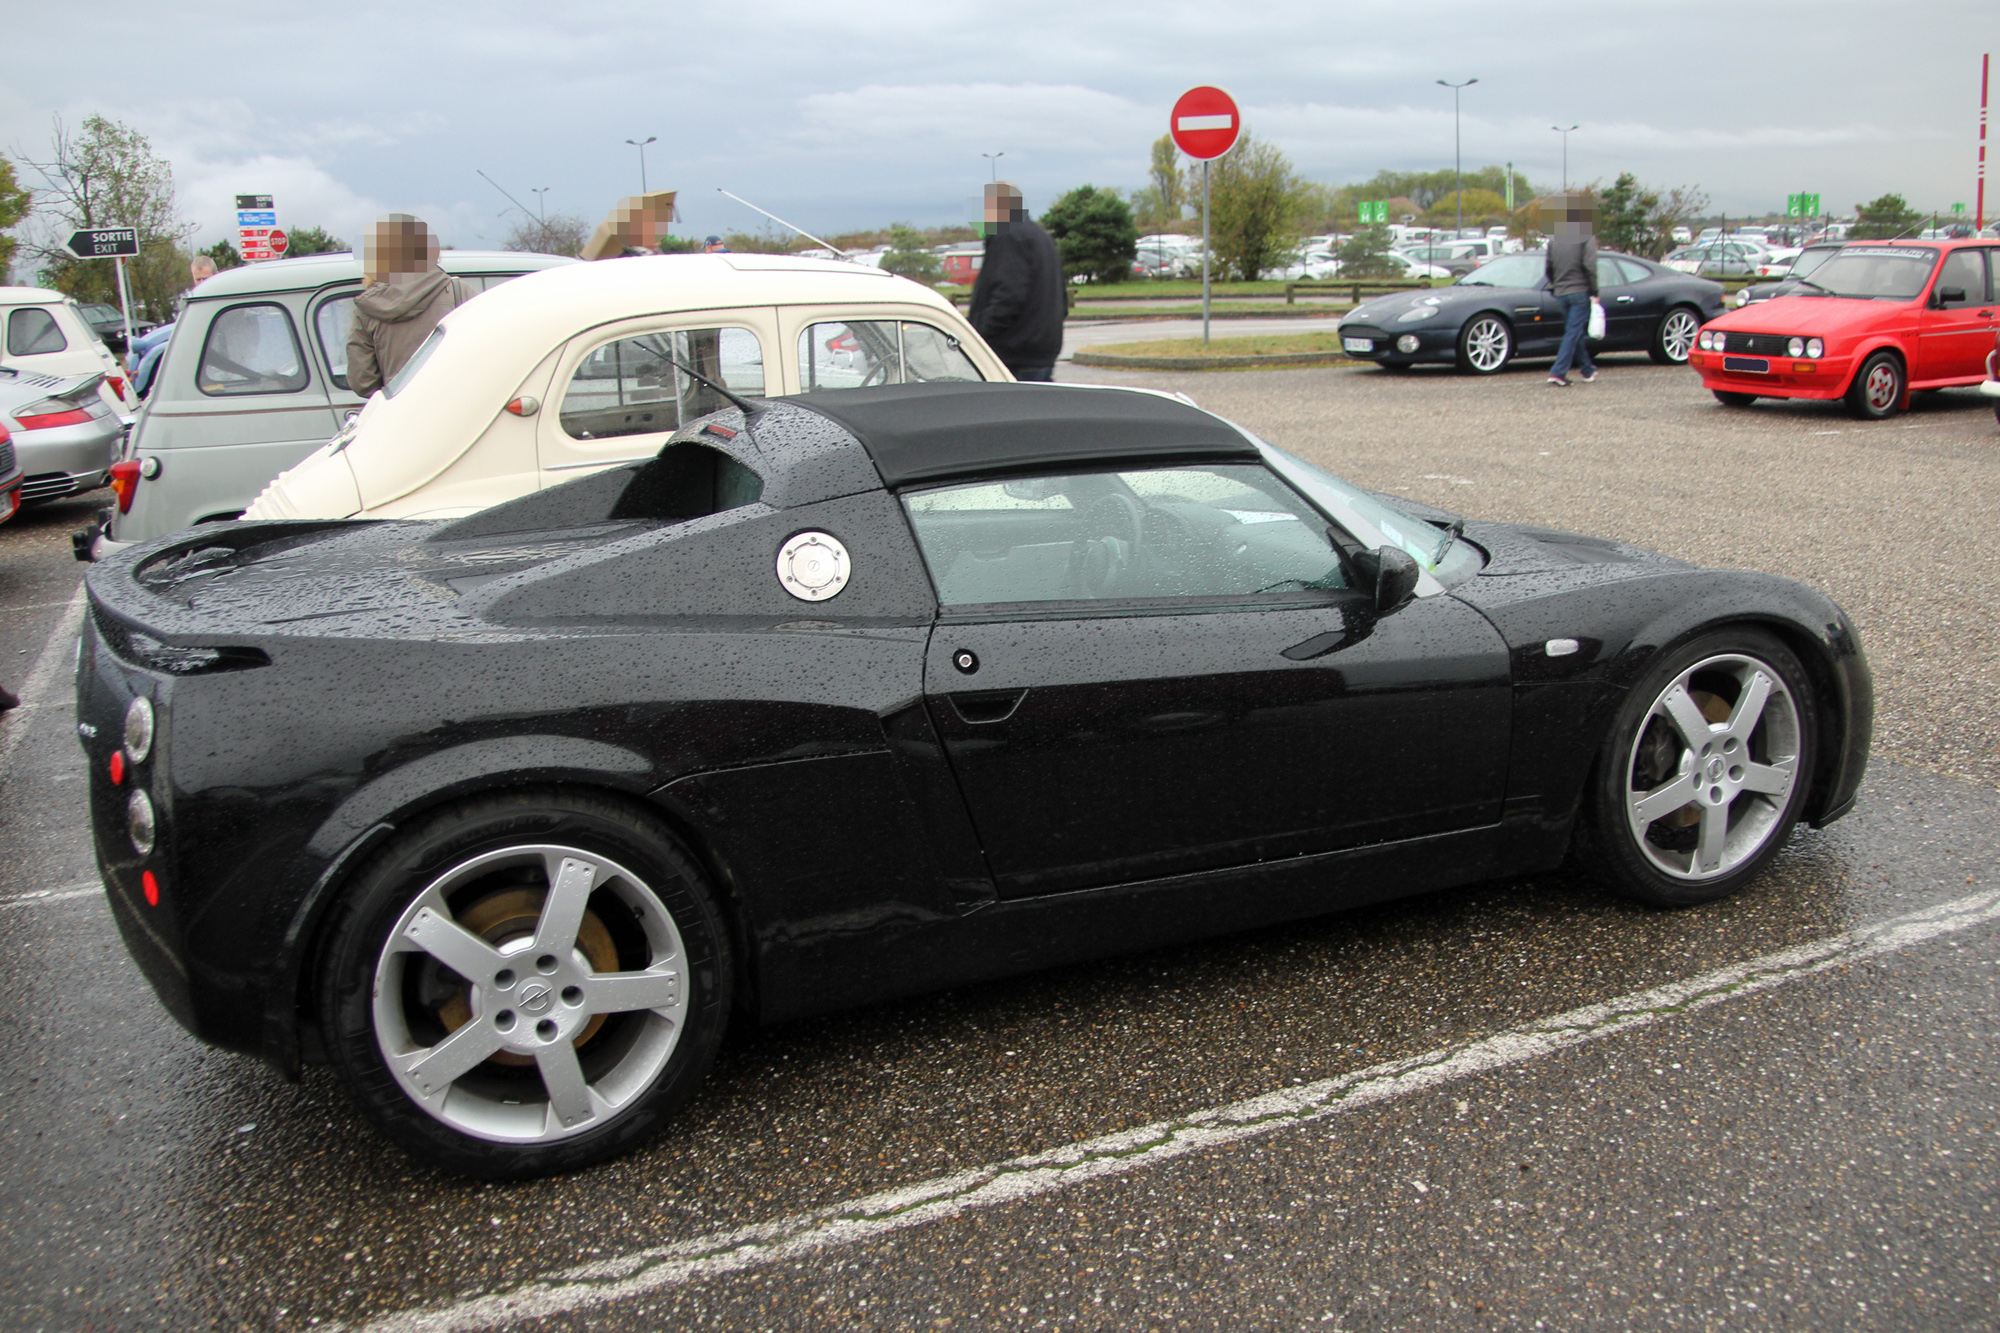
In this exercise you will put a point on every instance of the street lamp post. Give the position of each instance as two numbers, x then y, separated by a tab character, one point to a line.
541	203
1457	157
993	161
640	144
1564	130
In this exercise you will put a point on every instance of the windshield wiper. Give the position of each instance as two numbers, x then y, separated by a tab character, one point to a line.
1810	283
1451	534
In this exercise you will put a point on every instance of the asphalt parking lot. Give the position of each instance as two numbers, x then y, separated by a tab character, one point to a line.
1513	1106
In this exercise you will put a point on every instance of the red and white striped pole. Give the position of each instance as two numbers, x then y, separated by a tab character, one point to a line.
1979	208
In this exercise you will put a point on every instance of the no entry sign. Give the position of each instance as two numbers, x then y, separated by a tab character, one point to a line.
1205	123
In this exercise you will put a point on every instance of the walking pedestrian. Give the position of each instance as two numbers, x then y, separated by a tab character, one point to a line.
403	296
1018	300
1571	265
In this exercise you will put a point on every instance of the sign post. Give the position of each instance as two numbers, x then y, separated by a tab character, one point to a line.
1205	125
116	244
256	224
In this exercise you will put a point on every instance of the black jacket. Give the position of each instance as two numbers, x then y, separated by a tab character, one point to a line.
1018	301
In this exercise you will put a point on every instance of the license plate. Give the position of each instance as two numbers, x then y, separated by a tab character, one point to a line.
1358	344
1755	365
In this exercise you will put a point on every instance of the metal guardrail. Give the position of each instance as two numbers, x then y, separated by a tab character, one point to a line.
1355	287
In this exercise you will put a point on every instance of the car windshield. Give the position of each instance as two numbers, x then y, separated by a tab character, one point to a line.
1877	273
1506	271
1346	502
1809	260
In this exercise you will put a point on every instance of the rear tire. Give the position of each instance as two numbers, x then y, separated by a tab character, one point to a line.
1877	391
526	984
1728	399
1703	774
1674	337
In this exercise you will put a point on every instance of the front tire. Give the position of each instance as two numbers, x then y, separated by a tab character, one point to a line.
1728	399
1674	338
525	984
1703	775
1485	345
1877	391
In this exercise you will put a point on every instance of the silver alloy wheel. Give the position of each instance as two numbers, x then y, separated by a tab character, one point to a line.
533	1000
1487	343
1717	802
1677	334
1883	387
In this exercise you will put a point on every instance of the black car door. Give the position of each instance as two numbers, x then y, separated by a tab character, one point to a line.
1158	671
1633	303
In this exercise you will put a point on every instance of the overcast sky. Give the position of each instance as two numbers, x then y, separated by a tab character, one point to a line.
841	116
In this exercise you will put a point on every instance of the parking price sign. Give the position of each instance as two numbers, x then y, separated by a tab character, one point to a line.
1374	210
1801	205
256	225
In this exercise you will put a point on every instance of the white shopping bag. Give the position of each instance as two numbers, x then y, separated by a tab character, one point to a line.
1596	320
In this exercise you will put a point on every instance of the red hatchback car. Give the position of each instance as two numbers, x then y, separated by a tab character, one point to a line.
1873	323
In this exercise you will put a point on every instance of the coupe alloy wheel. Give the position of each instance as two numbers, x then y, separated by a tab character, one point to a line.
1676	337
1711	772
529	994
1485	345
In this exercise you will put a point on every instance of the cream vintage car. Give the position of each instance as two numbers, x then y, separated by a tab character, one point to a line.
573	369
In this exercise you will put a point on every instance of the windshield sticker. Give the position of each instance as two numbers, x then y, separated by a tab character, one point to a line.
1899	253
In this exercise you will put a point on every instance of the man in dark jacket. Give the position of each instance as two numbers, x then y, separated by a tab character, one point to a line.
1018	300
1571	265
403	296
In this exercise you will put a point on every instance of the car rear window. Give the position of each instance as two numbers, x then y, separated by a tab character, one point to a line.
251	349
864	353
31	332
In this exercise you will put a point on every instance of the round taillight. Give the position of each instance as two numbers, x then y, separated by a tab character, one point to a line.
139	821
150	885
117	768
139	729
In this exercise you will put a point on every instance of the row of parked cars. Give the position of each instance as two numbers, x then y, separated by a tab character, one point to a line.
65	401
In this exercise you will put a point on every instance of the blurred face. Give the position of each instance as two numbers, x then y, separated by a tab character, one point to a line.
398	243
1003	206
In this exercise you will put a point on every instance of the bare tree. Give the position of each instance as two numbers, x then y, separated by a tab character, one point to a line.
559	234
107	175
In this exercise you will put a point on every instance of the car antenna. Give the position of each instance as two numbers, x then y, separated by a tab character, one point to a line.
749	411
838	252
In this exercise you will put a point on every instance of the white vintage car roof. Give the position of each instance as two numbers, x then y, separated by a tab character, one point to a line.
493	341
31	296
314	271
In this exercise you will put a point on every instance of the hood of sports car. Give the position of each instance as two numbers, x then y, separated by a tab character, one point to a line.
1389	312
1514	550
1795	312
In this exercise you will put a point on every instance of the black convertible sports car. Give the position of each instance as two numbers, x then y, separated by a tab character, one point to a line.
876	691
1503	310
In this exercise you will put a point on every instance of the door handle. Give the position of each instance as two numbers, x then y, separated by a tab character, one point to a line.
1623	300
980	707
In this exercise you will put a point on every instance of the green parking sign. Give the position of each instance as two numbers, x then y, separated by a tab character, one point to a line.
1958	208
1375	210
1801	205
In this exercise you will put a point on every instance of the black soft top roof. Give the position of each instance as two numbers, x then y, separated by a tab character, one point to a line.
933	432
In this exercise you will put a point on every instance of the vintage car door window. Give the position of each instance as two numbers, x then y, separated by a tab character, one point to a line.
640	385
853	354
251	349
1144	673
33	332
331	324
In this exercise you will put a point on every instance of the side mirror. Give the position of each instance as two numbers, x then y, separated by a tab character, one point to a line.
1950	295
1395	578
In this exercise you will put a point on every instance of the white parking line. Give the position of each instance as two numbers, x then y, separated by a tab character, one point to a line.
85	888
47	673
879	1215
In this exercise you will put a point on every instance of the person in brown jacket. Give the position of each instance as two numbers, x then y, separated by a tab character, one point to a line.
403	295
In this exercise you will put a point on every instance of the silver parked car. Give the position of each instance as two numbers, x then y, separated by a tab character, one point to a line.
65	435
254	378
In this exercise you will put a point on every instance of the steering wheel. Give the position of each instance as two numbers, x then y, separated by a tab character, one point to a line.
1104	565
